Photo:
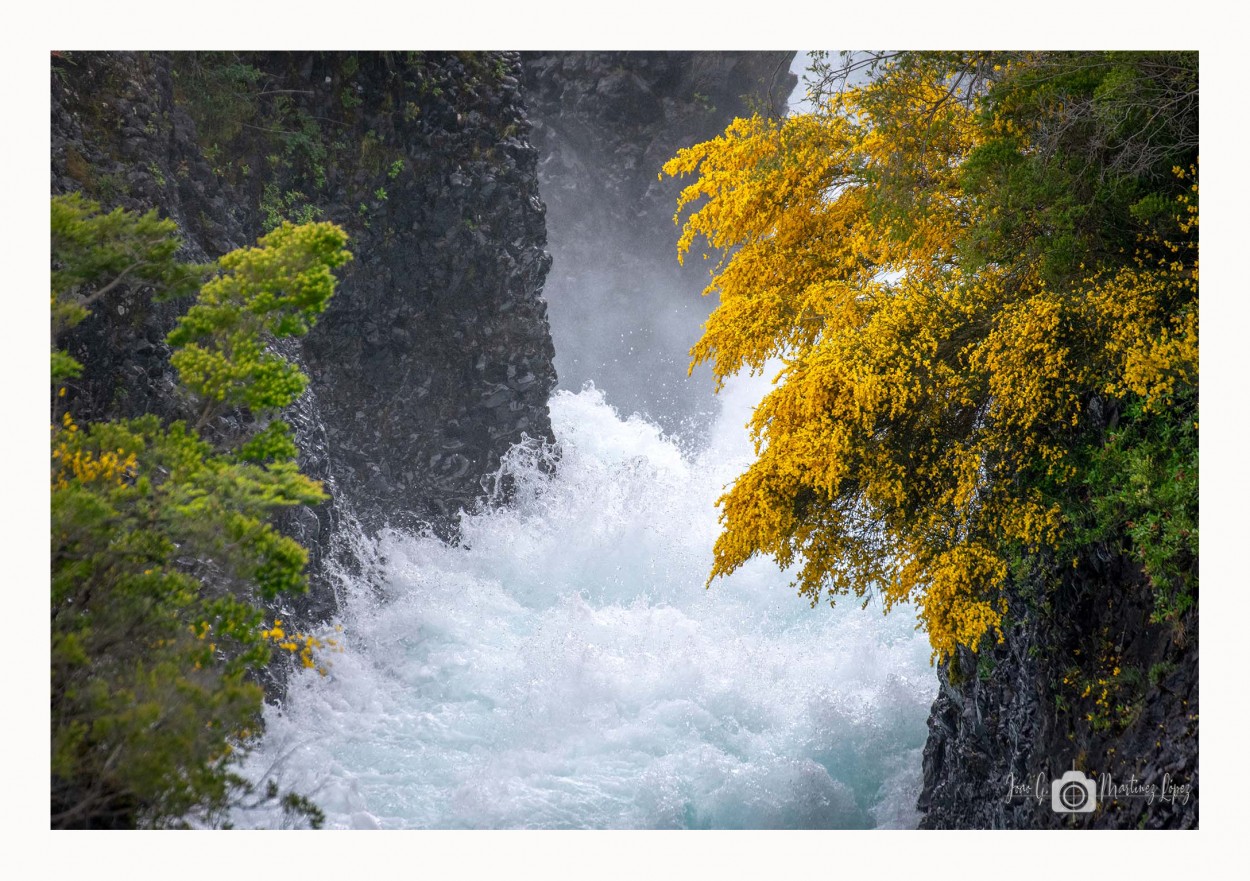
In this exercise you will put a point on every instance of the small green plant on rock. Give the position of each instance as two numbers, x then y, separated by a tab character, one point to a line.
278	206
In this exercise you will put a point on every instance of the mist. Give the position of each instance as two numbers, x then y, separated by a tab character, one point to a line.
624	314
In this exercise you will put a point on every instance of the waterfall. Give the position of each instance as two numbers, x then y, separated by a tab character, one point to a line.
564	665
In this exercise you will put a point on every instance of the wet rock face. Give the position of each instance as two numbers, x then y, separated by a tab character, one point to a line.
1085	680
434	356
624	313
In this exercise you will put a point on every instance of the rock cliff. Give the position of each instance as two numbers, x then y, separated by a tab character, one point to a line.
434	356
1083	680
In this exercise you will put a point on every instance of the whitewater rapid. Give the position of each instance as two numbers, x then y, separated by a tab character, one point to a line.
564	666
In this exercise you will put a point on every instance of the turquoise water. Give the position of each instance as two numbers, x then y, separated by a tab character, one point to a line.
566	668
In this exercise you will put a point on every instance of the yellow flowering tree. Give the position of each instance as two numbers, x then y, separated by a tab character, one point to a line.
964	266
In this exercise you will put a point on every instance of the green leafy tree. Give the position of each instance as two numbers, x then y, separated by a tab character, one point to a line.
94	253
162	542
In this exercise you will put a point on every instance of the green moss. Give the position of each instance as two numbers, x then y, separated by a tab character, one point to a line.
77	167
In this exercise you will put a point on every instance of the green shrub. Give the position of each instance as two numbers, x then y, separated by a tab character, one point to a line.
162	542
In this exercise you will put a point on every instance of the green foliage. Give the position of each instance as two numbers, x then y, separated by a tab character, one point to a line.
278	207
64	366
220	91
1160	671
1143	483
162	543
303	141
149	668
244	112
272	444
1081	145
985	666
278	288
95	252
1111	695
237	107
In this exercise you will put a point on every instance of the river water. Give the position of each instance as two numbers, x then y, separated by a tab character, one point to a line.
565	667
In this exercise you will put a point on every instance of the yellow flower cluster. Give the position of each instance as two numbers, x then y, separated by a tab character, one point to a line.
307	647
86	466
1111	691
1150	345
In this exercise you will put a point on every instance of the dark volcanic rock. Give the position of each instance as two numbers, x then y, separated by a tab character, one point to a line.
1082	680
434	356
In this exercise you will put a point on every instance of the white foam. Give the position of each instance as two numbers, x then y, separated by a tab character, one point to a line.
565	667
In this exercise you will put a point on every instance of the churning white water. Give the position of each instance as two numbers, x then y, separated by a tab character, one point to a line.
565	667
